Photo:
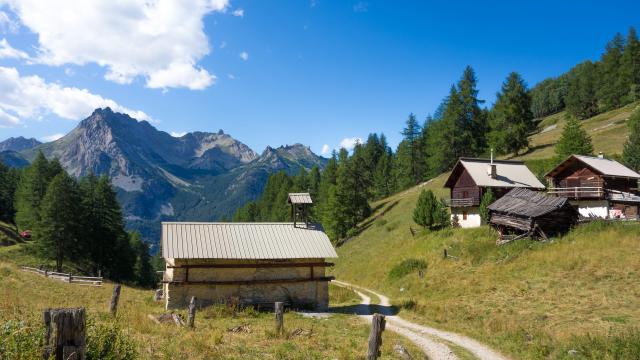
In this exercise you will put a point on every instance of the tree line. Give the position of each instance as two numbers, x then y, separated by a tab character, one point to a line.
78	222
591	87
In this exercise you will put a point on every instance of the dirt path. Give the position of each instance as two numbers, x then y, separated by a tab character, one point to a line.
432	341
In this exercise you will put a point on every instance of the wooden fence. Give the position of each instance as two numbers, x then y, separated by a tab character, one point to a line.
72	279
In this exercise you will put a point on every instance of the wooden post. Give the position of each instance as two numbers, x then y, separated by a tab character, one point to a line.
444	255
69	278
113	306
375	337
192	312
279	309
46	273
64	337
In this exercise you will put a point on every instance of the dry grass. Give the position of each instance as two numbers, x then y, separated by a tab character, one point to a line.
528	299
25	295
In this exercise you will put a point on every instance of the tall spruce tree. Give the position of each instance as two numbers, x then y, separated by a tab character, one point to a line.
631	151
511	117
410	161
31	190
581	99
630	67
574	140
487	199
610	89
473	124
58	229
8	183
144	273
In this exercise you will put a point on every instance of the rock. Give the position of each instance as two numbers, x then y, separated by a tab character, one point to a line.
572	352
158	295
402	352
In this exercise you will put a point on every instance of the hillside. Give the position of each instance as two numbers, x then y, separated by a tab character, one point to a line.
8	234
25	295
529	299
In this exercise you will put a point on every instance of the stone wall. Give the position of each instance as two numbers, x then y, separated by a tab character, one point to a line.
311	293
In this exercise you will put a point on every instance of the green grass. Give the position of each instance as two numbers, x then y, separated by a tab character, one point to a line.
25	295
607	130
529	299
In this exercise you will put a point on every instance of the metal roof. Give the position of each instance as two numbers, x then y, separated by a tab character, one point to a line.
191	240
509	174
604	166
299	198
525	202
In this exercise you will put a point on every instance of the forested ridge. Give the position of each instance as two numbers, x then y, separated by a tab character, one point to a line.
461	126
79	223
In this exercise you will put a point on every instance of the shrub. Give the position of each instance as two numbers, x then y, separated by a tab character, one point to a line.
19	341
625	345
106	341
406	267
487	199
429	212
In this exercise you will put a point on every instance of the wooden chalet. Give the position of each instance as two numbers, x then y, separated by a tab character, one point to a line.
471	178
255	263
525	213
597	186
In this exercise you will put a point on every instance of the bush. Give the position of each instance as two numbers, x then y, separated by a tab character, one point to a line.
624	345
406	267
429	212
19	341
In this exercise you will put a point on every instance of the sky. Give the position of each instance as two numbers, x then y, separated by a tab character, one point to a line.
319	72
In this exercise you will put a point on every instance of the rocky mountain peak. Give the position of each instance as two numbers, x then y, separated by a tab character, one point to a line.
18	144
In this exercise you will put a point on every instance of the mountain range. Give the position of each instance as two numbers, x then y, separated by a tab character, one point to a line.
199	176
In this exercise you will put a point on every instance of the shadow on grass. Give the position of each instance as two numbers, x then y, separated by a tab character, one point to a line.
362	309
367	224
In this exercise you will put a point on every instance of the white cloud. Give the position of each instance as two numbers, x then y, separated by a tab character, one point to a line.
50	138
238	12
231	76
159	41
9	52
178	133
7	24
31	97
350	143
325	149
244	55
361	6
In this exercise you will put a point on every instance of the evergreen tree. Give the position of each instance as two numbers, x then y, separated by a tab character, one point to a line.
383	178
57	230
511	117
610	90
631	152
429	212
144	273
630	68
8	183
410	161
574	140
31	190
581	100
487	199
473	124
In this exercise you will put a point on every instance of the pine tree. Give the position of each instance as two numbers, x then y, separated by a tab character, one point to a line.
429	212
610	92
31	190
581	100
574	140
473	124
487	199
511	117
144	273
8	183
383	178
57	230
630	68
631	151
410	162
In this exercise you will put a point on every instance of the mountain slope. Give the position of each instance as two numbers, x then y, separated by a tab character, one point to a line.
18	144
13	159
199	176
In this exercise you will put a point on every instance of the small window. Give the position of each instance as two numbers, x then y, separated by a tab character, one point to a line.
465	194
464	215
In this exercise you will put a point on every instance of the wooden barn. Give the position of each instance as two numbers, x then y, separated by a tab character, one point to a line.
255	263
525	213
597	186
471	178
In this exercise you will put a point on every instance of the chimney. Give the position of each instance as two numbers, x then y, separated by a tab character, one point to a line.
492	169
600	155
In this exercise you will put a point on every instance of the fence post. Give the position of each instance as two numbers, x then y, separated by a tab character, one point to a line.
375	336
64	336
69	278
192	312
279	308
113	306
46	273
158	295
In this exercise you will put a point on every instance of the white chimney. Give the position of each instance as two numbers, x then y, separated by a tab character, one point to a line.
601	155
492	169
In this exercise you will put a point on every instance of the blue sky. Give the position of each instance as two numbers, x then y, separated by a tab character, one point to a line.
279	72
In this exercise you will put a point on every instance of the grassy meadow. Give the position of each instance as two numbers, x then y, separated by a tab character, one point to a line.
24	295
529	299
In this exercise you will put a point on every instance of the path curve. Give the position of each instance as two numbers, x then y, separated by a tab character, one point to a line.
429	339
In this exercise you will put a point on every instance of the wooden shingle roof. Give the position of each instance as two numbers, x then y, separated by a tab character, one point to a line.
299	198
527	203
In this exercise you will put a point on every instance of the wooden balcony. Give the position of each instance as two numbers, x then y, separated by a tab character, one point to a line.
464	202
579	192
